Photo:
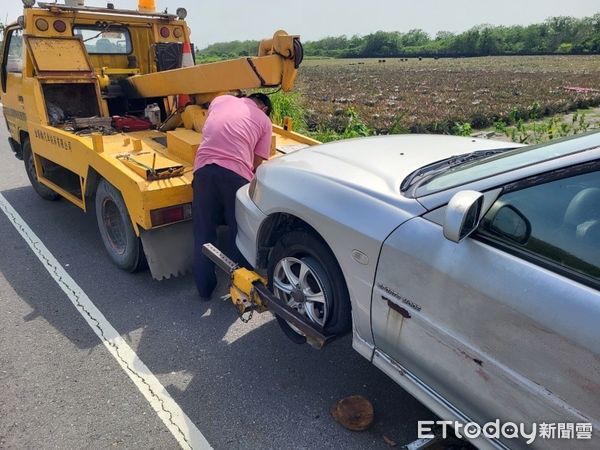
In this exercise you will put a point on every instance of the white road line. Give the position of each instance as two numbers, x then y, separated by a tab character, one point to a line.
178	423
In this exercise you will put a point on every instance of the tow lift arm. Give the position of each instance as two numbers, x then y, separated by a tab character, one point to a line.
276	65
249	293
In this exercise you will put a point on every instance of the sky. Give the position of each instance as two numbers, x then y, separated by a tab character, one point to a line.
227	20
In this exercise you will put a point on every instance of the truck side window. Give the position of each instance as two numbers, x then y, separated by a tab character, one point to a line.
557	222
14	57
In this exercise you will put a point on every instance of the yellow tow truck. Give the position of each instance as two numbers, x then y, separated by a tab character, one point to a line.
101	111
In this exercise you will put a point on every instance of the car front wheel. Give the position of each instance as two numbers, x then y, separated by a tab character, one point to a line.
304	274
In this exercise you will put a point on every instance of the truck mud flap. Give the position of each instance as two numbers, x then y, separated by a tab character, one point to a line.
169	250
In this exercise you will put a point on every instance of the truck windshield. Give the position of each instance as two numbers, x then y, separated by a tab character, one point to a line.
108	40
466	170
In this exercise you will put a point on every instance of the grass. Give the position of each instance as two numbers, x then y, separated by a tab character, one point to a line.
288	105
541	130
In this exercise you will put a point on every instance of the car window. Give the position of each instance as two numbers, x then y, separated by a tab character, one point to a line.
506	161
557	222
112	40
14	57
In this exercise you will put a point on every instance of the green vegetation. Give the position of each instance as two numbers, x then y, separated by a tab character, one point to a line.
226	50
556	35
288	105
354	127
462	129
538	131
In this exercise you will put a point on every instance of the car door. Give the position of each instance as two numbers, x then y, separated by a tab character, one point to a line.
505	324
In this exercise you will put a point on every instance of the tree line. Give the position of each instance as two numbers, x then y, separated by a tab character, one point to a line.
556	35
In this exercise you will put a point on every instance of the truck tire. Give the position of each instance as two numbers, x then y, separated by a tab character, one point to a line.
303	272
120	241
43	191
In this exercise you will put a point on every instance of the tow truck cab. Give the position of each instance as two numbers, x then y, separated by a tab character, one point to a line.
93	102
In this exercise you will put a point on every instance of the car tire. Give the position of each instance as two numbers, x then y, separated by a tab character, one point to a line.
119	238
43	191
301	252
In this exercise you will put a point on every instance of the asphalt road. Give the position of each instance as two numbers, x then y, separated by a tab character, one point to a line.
242	385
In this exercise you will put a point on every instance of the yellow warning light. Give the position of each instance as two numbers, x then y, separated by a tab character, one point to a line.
146	6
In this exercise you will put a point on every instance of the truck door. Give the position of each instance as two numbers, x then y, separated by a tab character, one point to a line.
503	325
12	77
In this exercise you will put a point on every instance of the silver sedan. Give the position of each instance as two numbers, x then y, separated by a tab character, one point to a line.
468	270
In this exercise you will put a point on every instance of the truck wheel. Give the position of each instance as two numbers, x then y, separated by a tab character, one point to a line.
120	241
43	191
304	273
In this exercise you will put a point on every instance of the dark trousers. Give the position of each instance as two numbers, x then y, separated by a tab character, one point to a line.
213	205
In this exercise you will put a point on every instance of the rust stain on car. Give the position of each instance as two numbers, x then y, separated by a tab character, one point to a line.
458	351
399	309
479	371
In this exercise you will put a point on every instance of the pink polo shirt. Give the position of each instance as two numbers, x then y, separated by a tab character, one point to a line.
235	130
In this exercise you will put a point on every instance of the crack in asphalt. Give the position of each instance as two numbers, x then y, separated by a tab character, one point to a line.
65	286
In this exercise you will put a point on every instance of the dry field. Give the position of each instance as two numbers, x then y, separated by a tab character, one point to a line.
430	95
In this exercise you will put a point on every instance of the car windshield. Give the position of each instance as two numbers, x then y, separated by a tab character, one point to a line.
475	166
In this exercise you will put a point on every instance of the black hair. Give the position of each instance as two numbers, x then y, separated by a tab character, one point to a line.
264	99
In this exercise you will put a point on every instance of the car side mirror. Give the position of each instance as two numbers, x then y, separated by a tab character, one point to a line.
462	215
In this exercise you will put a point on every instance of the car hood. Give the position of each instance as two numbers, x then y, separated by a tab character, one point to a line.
377	165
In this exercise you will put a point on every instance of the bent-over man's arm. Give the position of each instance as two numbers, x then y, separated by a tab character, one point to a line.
263	146
258	161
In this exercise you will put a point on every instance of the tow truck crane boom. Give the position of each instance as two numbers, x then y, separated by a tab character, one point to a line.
276	65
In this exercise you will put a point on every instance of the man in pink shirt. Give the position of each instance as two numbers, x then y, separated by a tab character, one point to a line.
236	140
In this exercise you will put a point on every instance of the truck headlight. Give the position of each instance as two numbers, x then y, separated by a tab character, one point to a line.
28	3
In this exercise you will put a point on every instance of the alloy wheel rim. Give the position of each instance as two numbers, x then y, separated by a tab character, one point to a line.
295	282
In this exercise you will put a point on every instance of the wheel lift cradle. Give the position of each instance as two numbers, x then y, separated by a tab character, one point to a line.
249	293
